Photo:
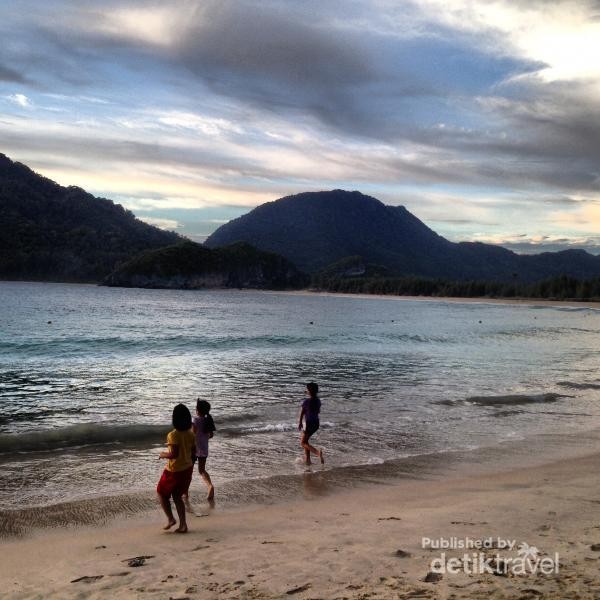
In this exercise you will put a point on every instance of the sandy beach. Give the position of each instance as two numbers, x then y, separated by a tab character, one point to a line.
453	299
365	543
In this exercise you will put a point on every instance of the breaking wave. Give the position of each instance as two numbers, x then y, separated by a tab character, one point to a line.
92	434
505	400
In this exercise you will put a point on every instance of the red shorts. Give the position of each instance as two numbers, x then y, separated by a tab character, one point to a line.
175	483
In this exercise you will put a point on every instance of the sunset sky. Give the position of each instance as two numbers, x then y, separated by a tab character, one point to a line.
482	118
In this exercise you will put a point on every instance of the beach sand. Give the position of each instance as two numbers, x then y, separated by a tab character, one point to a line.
451	299
346	545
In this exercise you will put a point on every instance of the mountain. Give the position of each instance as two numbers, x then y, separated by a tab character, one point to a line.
191	266
54	233
316	229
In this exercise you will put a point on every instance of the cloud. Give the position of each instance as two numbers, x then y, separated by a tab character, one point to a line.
534	244
10	75
277	57
477	112
168	224
20	100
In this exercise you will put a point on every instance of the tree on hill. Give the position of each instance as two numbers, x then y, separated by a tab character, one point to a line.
188	265
55	233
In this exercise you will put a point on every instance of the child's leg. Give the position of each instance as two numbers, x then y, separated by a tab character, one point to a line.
204	474
186	501
307	456
180	506
165	503
308	448
304	444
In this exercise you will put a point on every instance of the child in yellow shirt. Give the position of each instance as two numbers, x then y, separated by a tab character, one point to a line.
177	476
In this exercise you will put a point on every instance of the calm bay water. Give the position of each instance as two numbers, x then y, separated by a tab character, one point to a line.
89	376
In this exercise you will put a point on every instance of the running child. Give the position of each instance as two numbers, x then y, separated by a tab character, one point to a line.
311	407
177	476
204	428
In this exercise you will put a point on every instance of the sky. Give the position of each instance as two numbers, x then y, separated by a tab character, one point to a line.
482	118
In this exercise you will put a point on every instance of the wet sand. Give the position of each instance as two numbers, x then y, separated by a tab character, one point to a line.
365	543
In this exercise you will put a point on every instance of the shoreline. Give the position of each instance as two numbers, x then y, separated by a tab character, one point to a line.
313	483
447	299
361	543
309	292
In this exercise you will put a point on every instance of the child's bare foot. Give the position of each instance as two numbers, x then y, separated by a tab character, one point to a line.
181	529
322	457
211	493
170	524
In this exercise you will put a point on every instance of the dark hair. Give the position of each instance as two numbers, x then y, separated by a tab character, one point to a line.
202	406
182	419
313	389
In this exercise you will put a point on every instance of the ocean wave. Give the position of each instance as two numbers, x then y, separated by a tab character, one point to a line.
564	308
514	399
74	345
504	400
268	428
418	338
83	434
38	414
574	385
531	332
93	434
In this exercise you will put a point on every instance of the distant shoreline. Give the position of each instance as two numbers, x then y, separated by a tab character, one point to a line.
448	299
309	292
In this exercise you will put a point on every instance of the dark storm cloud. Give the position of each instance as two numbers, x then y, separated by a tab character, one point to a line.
438	92
357	82
10	75
295	59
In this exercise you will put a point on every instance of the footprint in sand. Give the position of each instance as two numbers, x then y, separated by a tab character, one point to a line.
87	579
299	589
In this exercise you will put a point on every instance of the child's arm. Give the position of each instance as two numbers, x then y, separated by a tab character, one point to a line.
211	434
300	418
172	453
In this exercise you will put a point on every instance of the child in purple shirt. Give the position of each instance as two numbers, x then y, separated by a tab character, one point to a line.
203	427
311	407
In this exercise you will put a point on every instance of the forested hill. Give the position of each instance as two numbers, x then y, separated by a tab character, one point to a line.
317	229
188	265
53	233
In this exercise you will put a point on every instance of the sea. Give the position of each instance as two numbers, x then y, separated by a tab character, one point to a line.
89	376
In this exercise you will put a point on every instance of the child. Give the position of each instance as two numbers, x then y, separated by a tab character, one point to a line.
311	407
177	476
204	428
